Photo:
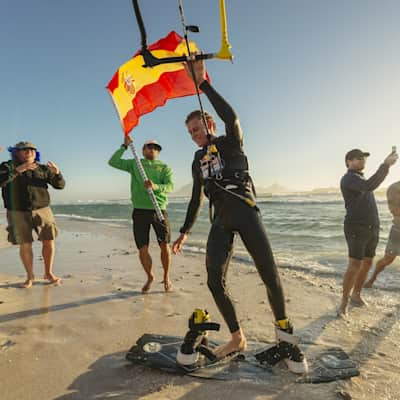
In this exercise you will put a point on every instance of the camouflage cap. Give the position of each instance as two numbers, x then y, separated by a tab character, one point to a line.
25	145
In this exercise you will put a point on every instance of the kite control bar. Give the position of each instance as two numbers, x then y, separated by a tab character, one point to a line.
151	61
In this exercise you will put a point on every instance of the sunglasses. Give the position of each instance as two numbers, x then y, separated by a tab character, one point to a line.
152	146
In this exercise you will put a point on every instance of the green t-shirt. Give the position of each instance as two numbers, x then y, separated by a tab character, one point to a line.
158	172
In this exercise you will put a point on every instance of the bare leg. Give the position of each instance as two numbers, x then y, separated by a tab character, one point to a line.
147	263
166	263
360	280
48	252
380	266
348	283
26	255
237	343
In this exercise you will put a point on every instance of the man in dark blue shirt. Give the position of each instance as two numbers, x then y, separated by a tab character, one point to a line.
361	223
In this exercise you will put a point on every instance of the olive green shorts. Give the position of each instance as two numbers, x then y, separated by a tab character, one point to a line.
21	225
393	244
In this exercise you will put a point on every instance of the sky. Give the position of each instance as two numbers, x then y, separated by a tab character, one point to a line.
311	79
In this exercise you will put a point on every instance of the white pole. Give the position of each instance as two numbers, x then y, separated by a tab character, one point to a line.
153	199
142	172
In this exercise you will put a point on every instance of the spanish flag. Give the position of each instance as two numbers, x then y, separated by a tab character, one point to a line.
137	91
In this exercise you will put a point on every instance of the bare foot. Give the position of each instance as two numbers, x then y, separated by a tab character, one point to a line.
369	284
52	279
358	302
341	312
167	285
147	286
233	346
27	284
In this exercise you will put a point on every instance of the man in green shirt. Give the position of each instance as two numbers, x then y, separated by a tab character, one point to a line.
144	215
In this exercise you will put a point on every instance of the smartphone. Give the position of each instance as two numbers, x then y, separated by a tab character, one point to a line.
394	149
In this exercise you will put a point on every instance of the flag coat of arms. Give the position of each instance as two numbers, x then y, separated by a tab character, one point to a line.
136	91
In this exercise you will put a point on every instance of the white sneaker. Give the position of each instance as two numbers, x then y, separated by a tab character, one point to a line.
296	361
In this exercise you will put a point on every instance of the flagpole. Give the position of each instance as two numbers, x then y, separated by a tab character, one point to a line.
142	172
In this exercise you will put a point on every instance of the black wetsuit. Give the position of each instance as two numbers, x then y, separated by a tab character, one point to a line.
232	215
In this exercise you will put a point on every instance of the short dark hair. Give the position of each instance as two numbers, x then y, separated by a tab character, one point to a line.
355	153
197	114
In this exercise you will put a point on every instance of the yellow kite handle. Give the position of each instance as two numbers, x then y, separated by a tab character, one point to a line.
224	52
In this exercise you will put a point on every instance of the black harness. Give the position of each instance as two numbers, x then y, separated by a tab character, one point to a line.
227	176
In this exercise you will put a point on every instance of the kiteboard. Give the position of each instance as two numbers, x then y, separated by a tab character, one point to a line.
326	363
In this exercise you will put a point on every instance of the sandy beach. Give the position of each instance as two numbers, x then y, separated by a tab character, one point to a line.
69	342
3	237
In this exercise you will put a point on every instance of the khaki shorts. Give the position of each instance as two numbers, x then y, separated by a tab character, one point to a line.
21	225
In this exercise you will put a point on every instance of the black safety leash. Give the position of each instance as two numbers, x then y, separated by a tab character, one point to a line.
152	61
193	28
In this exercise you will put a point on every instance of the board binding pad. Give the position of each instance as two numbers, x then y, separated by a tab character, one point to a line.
326	364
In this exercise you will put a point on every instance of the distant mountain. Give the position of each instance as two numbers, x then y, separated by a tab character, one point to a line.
184	191
275	188
381	191
330	189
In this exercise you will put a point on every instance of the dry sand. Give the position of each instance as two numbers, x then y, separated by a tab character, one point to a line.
68	342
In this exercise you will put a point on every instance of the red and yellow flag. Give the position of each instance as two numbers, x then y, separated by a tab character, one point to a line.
137	91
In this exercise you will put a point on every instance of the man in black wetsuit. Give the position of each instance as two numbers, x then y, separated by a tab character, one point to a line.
221	167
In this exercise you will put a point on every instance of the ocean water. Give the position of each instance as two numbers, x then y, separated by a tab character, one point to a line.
305	231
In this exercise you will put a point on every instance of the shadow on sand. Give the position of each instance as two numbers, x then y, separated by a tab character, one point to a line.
65	306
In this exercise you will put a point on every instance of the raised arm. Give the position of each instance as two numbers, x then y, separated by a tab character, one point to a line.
116	160
221	106
356	183
54	176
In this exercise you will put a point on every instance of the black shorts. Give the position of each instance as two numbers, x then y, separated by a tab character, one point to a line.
362	240
142	219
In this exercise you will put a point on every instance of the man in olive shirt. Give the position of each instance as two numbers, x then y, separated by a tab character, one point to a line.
393	243
24	186
144	215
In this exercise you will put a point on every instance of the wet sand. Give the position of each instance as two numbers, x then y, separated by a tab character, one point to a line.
69	341
3	237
